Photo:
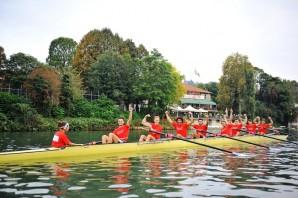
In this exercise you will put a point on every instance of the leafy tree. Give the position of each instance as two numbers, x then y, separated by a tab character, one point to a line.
111	76
2	58
93	44
18	67
275	98
158	84
44	87
236	88
61	52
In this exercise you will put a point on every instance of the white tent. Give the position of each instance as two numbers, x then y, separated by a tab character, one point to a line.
191	109
178	109
202	110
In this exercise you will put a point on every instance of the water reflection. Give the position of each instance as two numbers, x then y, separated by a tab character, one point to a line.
182	173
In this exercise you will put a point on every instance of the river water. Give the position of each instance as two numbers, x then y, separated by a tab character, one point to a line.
179	173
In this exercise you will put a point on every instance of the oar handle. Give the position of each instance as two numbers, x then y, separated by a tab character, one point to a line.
271	137
240	140
193	142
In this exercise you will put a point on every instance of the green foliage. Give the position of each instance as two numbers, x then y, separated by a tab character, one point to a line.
93	44
2	62
57	112
103	108
112	76
157	82
236	88
212	87
276	98
44	87
61	52
5	123
18	67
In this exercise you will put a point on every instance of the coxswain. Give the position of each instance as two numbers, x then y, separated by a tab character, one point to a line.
60	138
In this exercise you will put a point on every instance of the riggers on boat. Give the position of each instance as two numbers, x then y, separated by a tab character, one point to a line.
85	153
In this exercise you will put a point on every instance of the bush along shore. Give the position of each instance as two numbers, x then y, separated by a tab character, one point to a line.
18	114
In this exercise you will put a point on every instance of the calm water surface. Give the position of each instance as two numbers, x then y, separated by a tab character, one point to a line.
180	173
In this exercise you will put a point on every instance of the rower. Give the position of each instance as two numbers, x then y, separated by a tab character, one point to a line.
179	125
251	126
201	128
236	127
226	128
120	134
263	126
153	126
60	138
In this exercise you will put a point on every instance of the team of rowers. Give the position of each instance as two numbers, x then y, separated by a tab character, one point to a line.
231	126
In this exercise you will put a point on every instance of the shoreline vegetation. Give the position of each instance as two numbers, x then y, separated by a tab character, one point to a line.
122	74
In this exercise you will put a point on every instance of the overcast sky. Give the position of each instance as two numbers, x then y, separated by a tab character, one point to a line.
191	34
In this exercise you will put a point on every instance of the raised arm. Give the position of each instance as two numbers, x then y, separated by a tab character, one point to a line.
207	120
191	118
244	121
130	109
144	121
257	120
169	118
231	114
270	121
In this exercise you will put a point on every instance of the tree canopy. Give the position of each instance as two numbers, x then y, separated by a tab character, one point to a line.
61	52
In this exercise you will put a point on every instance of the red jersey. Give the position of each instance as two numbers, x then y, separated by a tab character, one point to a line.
263	128
122	132
60	139
226	130
181	128
156	127
201	129
251	128
236	129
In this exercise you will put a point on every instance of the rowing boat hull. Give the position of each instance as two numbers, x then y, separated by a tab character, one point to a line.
97	151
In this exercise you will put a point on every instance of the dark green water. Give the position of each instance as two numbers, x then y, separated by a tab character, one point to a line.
180	173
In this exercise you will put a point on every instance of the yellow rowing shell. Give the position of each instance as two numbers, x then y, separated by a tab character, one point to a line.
81	153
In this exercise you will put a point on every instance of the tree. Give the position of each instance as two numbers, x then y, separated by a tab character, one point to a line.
236	88
111	75
93	44
71	89
2	59
44	87
275	98
158	84
61	52
18	67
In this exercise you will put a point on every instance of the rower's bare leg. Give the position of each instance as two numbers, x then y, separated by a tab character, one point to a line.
149	138
104	139
180	136
142	138
113	138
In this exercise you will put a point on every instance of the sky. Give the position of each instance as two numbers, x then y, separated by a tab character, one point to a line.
191	34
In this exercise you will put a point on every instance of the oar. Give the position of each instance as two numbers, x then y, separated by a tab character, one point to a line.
92	143
193	142
267	147
270	137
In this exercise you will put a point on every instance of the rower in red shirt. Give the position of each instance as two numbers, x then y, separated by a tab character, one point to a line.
154	126
251	127
236	127
179	125
201	128
121	133
226	128
60	139
263	126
